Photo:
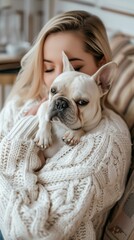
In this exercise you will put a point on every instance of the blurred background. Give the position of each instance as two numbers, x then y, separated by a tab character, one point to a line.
21	21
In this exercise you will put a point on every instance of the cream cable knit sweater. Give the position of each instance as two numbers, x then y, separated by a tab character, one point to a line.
69	198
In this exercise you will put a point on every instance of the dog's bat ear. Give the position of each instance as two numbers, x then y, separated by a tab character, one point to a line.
66	64
105	76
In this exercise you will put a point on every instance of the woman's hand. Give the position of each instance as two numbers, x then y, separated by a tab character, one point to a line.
34	109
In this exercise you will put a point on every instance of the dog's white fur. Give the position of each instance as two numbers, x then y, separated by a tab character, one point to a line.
74	106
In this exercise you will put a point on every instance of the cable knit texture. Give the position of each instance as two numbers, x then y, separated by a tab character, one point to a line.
70	197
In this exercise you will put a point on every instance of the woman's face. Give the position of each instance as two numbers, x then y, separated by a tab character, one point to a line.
72	44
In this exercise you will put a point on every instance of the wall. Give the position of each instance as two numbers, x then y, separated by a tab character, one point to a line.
118	15
28	16
25	18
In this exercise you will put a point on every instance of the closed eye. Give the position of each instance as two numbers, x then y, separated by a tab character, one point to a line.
49	70
78	68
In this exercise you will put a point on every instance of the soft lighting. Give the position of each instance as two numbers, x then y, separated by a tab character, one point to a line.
5	3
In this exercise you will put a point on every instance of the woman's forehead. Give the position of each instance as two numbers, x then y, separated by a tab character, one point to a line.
68	42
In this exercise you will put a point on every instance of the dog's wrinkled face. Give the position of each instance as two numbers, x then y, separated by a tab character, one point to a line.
75	97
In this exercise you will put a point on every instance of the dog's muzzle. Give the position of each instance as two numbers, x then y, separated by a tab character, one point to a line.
61	104
58	108
63	109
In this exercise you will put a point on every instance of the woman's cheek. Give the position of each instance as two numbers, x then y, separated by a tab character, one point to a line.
48	81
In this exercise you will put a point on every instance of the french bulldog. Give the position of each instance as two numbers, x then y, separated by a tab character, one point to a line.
73	108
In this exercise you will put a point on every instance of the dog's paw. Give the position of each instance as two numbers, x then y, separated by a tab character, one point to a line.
43	139
71	137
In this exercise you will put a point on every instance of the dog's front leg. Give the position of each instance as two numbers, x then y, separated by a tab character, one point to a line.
72	137
43	136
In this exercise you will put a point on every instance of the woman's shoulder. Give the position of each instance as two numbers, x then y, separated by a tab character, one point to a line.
111	124
115	123
111	134
113	130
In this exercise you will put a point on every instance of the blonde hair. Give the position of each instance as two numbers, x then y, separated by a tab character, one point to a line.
29	82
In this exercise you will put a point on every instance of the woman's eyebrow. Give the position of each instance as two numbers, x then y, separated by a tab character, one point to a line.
75	59
70	59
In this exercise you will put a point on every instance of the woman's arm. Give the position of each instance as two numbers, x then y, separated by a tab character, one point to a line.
7	116
76	184
12	112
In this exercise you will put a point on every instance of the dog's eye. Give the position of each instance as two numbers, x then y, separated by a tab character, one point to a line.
53	90
82	102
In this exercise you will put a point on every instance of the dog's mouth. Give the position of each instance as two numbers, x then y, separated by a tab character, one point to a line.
65	111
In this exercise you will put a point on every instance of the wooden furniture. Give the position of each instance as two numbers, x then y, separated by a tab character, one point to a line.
9	62
6	80
9	67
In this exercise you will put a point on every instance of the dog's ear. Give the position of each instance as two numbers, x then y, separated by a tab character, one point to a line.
66	64
105	76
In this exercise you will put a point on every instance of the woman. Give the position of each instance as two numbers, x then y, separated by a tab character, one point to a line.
70	196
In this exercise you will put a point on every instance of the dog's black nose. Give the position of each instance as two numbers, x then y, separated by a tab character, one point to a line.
61	104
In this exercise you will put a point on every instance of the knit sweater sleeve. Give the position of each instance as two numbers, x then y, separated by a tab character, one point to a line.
12	112
7	116
73	187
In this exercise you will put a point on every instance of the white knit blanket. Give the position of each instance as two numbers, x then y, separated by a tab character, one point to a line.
69	198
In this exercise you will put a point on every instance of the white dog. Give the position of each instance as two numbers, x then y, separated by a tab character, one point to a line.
74	106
